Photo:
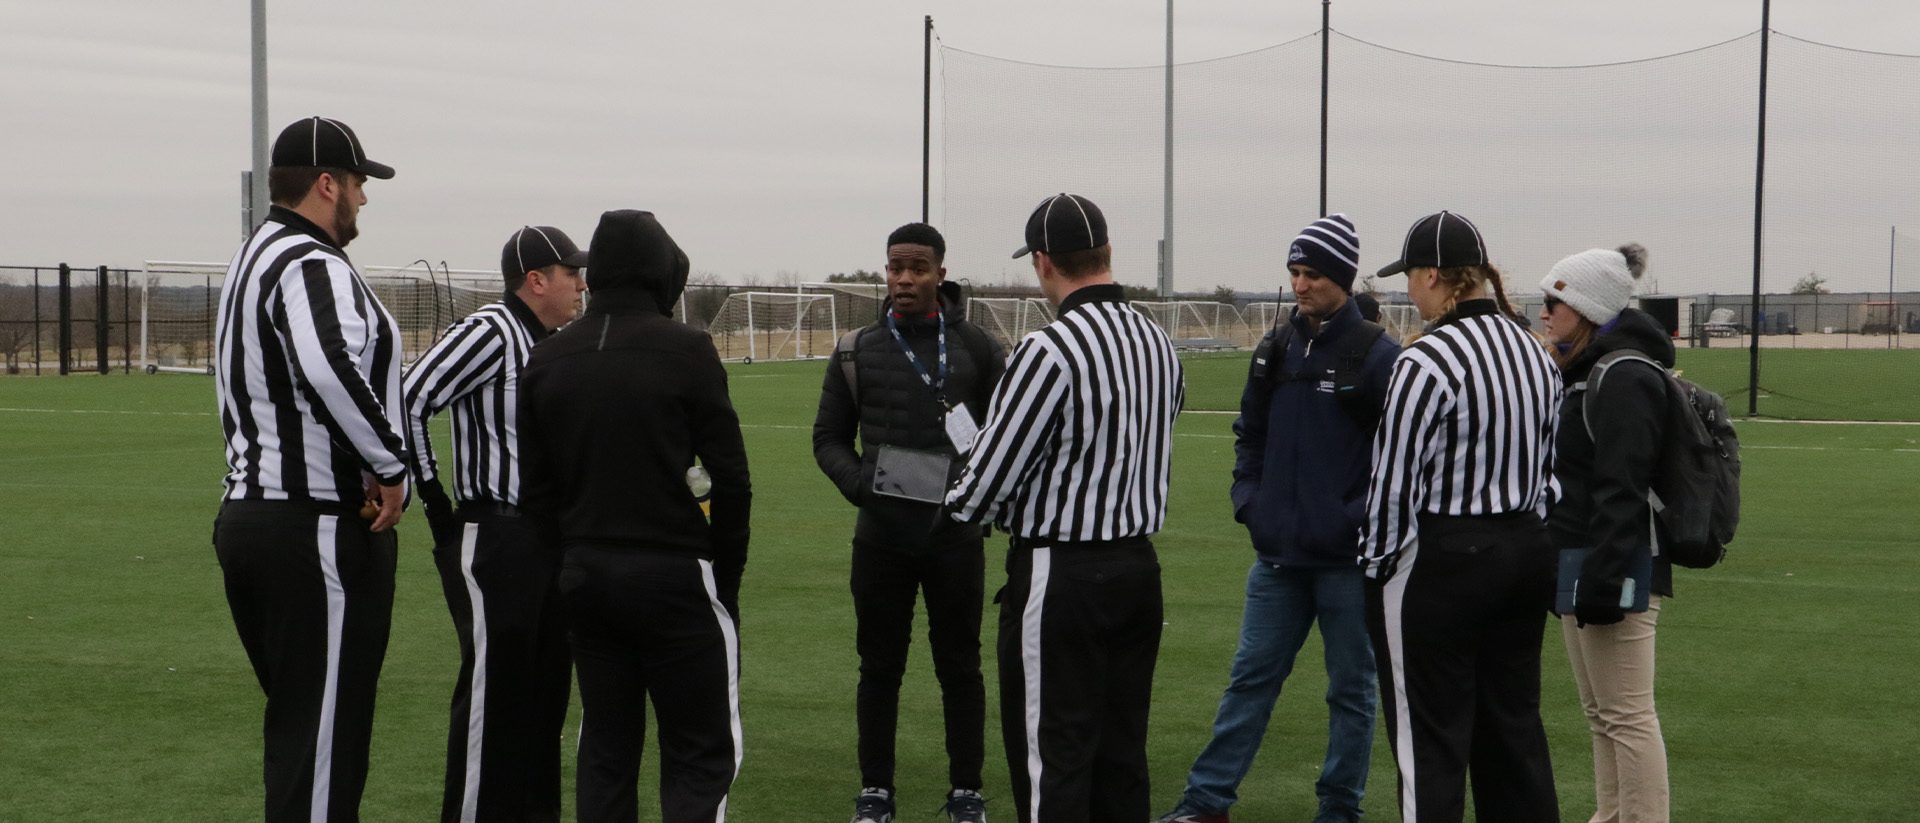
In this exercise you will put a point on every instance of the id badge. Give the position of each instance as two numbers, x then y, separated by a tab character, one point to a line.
961	429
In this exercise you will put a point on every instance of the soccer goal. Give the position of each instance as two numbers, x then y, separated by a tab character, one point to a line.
1009	319
765	325
1262	316
1401	321
1197	324
180	303
855	305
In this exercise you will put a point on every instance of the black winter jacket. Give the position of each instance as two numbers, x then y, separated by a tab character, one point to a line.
615	407
1604	478
896	408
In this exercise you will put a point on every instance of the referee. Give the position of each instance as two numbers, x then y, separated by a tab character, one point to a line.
1456	552
614	410
1072	463
503	742
307	374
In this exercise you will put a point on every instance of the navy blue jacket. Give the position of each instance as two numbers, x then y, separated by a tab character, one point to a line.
1301	456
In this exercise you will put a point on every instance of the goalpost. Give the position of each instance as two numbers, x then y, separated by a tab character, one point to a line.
1198	324
1009	319
765	325
179	301
1262	315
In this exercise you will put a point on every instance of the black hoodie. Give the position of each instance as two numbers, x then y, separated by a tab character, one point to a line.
1604	477
615	407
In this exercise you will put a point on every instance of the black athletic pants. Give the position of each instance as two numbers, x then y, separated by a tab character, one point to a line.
648	625
1079	634
1457	635
311	590
885	583
503	738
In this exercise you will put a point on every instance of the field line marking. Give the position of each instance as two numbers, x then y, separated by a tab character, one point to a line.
1827	449
1739	420
109	411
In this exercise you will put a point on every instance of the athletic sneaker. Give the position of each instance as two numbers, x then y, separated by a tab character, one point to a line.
1182	814
874	805
965	806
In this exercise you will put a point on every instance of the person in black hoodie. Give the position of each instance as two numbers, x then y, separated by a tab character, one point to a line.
894	383
1605	463
614	411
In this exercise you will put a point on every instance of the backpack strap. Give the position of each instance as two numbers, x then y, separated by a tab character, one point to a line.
846	353
1591	385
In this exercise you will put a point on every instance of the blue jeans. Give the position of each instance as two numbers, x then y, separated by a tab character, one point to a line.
1281	605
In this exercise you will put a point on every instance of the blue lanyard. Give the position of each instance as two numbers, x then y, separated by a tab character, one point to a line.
937	385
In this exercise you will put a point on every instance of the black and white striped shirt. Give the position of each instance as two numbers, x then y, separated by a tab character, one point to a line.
1469	428
1079	432
475	368
306	370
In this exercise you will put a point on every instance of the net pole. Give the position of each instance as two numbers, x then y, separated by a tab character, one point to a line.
1166	232
1326	35
1759	202
1893	309
926	116
146	297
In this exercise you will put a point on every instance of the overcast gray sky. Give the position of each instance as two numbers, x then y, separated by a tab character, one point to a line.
770	136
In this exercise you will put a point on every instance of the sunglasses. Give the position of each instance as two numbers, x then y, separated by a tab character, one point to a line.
1552	302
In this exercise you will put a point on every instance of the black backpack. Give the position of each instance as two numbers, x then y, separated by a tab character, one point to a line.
1696	488
1350	361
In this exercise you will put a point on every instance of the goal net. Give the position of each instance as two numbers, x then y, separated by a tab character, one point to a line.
1401	321
1196	324
1262	315
180	301
1009	319
855	305
761	325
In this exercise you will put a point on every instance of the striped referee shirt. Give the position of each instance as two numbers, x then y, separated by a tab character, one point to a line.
1079	432
306	370
475	368
1472	410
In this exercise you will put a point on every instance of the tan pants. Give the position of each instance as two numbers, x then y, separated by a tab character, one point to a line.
1613	667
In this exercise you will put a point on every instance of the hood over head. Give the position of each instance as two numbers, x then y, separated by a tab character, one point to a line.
631	251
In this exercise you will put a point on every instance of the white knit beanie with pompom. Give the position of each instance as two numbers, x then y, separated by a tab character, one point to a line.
1597	283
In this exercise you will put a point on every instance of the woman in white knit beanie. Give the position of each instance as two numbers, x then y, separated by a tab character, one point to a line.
1605	455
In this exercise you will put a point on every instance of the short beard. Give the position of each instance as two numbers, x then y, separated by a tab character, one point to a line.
346	224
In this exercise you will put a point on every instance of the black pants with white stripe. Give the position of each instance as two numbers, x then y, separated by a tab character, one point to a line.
510	702
649	625
1079	635
1457	633
886	582
311	590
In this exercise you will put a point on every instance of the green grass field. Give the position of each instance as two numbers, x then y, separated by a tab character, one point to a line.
1785	686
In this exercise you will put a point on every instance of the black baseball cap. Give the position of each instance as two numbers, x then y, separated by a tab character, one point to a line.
1443	241
537	247
1064	223
326	143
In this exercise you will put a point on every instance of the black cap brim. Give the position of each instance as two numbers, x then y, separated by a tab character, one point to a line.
378	171
1393	268
1022	252
576	260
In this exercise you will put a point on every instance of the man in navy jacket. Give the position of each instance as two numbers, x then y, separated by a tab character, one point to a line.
1303	446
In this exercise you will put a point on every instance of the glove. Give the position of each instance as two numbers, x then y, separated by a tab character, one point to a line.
1597	602
440	516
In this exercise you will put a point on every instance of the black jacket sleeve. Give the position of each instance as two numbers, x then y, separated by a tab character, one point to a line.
1250	437
539	493
721	449
834	427
1627	416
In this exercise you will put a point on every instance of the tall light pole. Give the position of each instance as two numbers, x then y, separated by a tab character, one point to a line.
1166	232
256	201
